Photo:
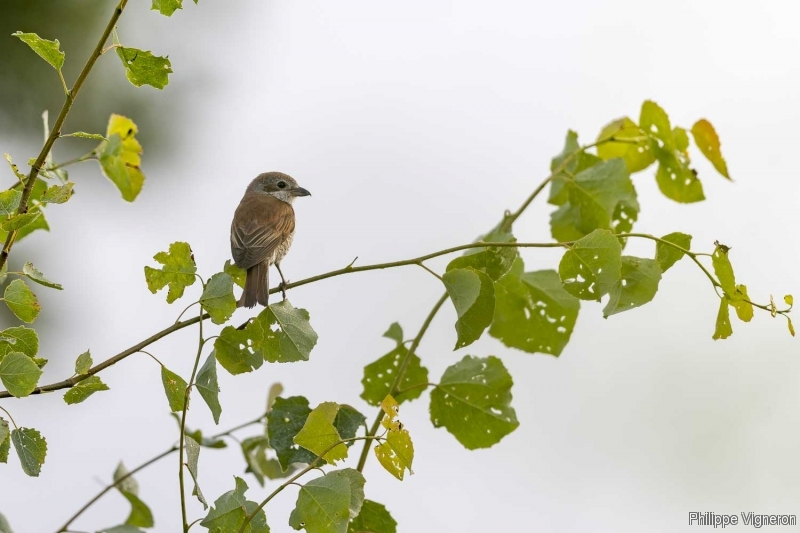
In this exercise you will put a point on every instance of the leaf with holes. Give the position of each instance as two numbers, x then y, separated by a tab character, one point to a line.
723	328
723	268
379	375
676	180
655	122
178	271
630	143
318	434
667	255
707	140
284	421
472	294
50	51
473	402
19	339
637	286
143	68
34	274
533	312
234	351
175	389
569	162
396	452
208	386
31	449
217	298
601	197
373	518
592	265
83	389
494	261
19	374
238	275
283	333
323	505
120	156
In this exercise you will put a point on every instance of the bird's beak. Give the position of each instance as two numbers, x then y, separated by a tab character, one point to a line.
299	191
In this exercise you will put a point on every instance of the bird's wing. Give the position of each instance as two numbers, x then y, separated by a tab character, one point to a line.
261	223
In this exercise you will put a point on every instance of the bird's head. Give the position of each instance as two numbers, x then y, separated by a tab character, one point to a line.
277	184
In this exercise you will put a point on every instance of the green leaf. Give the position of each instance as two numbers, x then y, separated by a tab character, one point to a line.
167	7
21	300
568	163
705	136
84	135
396	453
83	363
9	201
637	286
19	339
677	181
175	389
473	401
600	197
740	301
292	341
681	139
178	271
379	376
239	275
124	481
472	293
318	434
208	387
140	515
357	482
4	526
373	518
631	146
5	442
19	373
143	68
723	329
17	222
493	261
120	156
217	298
58	194
34	274
533	311
723	269
347	422
323	505
230	510
395	332
285	420
83	389
31	449
48	50
592	265
192	456
667	255
234	351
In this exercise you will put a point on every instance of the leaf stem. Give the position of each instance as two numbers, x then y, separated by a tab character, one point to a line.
71	95
84	157
421	264
182	438
10	417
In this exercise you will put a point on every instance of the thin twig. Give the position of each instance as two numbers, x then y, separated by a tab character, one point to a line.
182	438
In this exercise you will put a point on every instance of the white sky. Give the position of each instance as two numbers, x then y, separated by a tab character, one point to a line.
415	124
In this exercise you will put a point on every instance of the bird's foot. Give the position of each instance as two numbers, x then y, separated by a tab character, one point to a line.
282	287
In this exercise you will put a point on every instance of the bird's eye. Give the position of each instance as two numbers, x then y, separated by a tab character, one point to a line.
281	184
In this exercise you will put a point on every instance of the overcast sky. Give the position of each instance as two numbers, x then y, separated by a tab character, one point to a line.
415	124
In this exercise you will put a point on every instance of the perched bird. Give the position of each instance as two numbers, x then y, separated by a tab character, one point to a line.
262	232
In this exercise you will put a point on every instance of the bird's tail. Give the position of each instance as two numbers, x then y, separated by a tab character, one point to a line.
256	288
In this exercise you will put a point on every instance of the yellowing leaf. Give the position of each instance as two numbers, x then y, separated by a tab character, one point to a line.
120	156
705	136
396	453
319	434
178	271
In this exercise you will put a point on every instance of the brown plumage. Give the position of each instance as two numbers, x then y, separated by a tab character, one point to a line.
262	232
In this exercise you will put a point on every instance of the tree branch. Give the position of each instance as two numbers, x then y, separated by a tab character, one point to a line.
72	94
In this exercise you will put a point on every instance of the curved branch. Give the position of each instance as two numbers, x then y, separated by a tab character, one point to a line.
55	132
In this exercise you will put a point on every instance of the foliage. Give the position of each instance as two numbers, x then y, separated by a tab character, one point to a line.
595	209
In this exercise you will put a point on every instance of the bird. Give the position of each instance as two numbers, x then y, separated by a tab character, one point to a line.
262	231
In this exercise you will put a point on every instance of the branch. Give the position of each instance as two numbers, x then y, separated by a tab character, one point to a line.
56	131
144	465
